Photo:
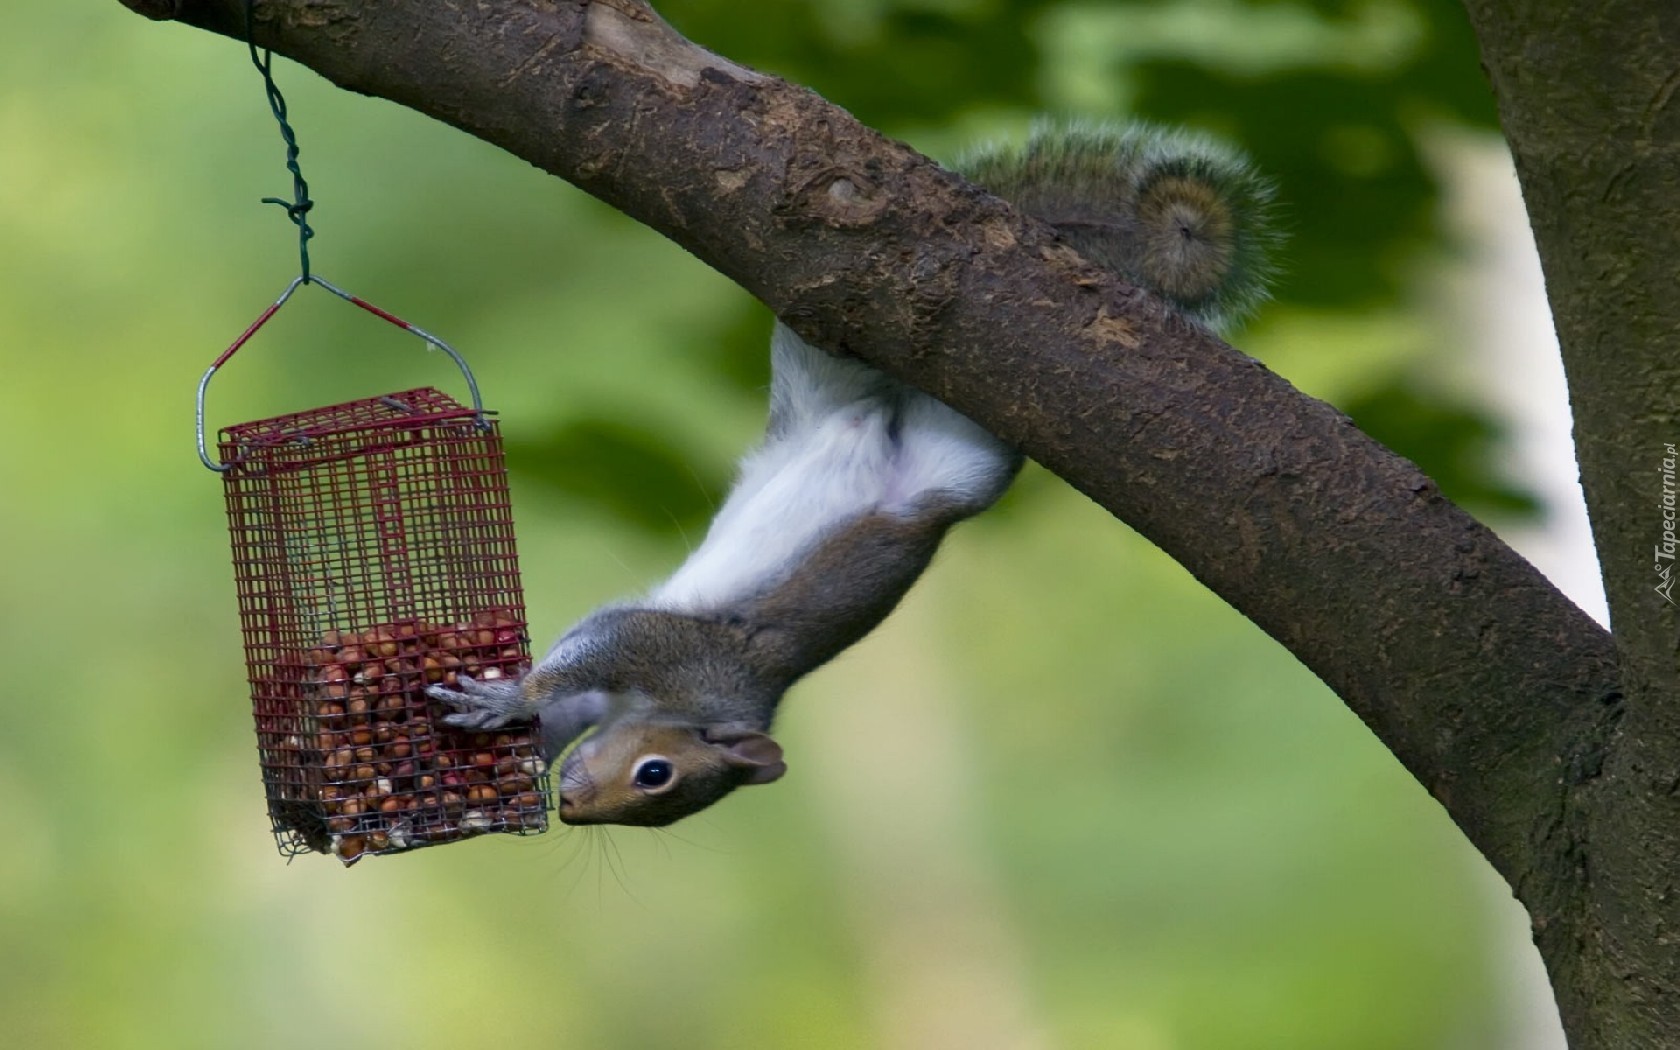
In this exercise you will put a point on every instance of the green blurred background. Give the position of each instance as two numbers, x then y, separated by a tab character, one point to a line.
1064	798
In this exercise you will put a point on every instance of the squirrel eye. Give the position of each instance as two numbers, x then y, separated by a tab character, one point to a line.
653	773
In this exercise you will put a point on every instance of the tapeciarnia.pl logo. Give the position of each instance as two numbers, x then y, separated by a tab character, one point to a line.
1663	560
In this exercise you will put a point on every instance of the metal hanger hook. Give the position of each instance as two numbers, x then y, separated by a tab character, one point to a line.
274	307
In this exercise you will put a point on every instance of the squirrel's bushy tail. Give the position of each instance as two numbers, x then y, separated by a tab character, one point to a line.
1172	211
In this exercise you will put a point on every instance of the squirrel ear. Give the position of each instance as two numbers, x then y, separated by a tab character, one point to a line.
752	751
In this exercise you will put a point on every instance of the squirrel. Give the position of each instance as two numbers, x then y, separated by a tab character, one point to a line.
843	505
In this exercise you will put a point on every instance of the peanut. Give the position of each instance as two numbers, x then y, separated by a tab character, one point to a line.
382	776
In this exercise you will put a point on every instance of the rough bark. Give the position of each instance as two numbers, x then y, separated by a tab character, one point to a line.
1587	98
1494	691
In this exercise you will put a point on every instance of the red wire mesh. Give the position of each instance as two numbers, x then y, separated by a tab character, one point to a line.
374	555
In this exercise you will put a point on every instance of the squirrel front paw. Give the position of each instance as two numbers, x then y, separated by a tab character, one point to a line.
483	705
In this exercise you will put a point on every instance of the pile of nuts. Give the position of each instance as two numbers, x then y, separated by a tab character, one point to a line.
380	771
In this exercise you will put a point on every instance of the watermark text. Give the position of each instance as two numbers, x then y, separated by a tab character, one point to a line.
1664	552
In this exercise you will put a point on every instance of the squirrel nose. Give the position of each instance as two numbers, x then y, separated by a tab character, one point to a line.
569	813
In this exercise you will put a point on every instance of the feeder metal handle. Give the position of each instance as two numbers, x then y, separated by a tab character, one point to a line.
262	319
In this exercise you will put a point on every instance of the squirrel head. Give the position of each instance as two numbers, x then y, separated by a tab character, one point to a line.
653	773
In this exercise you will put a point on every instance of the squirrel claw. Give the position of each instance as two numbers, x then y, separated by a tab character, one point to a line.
481	705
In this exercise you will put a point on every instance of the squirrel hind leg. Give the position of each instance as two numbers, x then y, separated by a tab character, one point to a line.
807	386
944	457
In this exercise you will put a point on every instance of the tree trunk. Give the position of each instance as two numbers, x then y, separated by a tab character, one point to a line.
1587	98
1501	697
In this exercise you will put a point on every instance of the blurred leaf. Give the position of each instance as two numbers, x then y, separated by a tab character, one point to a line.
888	62
1356	199
738	350
645	479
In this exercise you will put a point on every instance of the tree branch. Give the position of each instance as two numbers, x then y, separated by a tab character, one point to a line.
1491	687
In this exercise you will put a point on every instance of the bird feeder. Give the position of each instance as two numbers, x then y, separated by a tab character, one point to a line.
373	553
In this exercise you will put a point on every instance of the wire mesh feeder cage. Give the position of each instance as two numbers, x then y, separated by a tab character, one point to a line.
373	553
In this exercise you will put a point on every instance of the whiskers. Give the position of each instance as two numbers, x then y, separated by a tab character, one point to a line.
600	849
586	849
613	861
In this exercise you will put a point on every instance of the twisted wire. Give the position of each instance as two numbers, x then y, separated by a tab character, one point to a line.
297	209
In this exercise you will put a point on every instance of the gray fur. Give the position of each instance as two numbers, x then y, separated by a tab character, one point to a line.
840	510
